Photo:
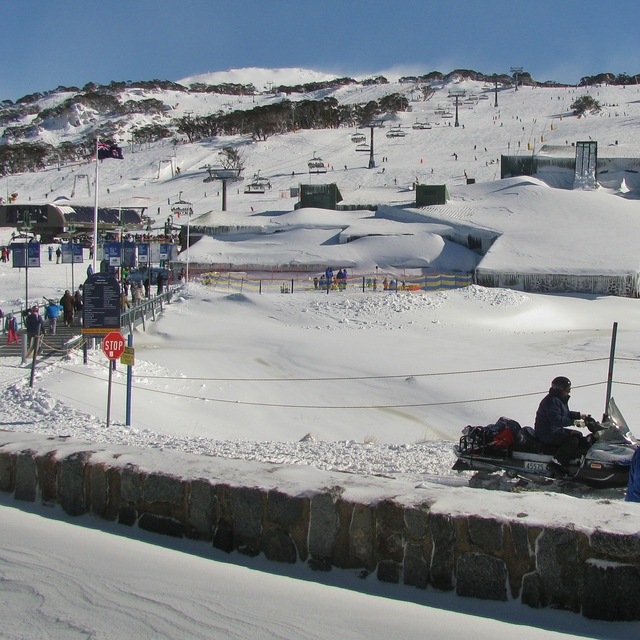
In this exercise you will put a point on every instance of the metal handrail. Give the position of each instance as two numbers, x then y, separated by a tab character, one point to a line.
139	313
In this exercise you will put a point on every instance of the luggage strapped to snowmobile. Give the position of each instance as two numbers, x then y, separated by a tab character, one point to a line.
495	439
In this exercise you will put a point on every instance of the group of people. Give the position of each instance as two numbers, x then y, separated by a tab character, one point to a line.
136	290
330	281
6	251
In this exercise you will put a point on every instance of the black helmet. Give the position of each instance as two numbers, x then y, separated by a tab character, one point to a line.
561	383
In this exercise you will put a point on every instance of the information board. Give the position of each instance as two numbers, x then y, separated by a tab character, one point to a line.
101	304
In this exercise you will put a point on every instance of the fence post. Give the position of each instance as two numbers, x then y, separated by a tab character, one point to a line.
291	285
362	284
261	285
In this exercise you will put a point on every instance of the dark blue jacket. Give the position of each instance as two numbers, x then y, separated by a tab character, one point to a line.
553	415
633	488
34	323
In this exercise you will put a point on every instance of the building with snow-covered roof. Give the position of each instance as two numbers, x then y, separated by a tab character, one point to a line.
50	221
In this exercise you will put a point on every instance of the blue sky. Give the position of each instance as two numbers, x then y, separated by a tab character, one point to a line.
47	43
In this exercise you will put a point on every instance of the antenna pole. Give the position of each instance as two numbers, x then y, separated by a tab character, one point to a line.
612	353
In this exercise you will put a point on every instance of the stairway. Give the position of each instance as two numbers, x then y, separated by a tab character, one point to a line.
64	340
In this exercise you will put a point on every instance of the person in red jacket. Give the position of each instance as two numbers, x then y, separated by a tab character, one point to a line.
12	329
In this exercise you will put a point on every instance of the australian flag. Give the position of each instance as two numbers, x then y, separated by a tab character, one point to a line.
109	151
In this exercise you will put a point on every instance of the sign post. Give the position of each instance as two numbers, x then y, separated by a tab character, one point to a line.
112	347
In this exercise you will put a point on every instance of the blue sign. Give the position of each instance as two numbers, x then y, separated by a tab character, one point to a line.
78	256
143	253
23	251
112	254
71	252
128	254
67	252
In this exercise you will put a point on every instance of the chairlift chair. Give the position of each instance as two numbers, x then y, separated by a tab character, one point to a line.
316	165
421	125
254	187
365	148
257	185
396	132
358	137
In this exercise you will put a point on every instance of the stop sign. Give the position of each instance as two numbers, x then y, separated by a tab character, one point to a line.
113	345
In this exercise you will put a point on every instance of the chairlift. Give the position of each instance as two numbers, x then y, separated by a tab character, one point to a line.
365	148
447	114
316	165
484	96
253	187
257	185
421	125
396	132
358	137
181	207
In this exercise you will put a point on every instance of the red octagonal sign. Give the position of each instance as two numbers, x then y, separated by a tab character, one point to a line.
113	345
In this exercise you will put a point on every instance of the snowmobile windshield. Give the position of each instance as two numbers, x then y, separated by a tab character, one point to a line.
617	429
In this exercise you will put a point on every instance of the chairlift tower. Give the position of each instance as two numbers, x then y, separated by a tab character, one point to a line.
517	71
222	175
495	82
372	162
182	207
457	95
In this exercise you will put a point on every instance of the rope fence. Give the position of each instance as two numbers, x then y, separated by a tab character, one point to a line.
287	282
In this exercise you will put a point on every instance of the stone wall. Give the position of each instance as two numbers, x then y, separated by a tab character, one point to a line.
417	543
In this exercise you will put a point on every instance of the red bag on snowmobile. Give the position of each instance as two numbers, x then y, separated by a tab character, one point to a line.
503	438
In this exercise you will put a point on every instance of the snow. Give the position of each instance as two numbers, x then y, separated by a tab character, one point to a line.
377	385
123	592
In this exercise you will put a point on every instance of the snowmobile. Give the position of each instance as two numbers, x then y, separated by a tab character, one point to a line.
506	446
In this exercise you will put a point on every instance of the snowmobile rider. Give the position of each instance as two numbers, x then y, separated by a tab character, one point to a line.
552	419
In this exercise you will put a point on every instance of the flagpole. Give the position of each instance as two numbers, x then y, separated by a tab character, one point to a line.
95	214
